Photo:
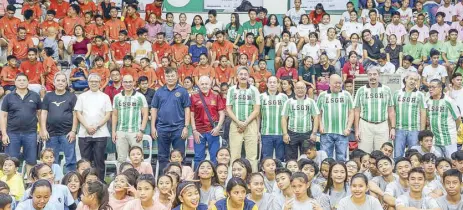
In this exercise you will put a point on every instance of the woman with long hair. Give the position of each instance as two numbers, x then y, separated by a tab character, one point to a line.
233	29
188	197
263	199
359	199
236	191
208	183
80	46
337	186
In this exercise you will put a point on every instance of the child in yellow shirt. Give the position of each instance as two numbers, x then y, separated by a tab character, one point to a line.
12	178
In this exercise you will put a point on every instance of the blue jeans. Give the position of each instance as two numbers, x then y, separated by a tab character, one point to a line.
165	139
26	140
61	143
404	139
273	142
332	141
213	143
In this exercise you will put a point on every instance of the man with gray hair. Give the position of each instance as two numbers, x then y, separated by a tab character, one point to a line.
410	112
93	109
373	107
58	123
207	116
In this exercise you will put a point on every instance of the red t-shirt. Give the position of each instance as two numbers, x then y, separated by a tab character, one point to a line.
283	72
32	70
222	49
152	8
161	49
60	9
214	103
185	71
249	50
8	73
50	63
347	69
120	49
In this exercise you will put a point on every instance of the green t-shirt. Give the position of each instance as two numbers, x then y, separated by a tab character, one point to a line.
248	28
373	102
428	46
335	109
232	32
300	113
408	106
270	110
442	114
129	110
414	51
243	101
453	52
202	30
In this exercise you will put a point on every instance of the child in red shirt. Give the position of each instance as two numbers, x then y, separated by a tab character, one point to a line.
9	73
148	71
49	68
128	68
186	69
101	71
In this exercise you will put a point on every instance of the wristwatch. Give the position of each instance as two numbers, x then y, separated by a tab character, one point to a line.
142	131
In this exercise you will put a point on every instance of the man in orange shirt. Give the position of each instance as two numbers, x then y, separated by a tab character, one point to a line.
261	76
223	73
113	26
160	48
49	68
101	71
48	23
9	74
179	50
71	20
10	24
133	21
31	25
60	7
19	46
119	49
33	69
186	69
249	49
90	26
128	68
87	6
34	6
156	8
99	48
148	72
221	47
100	27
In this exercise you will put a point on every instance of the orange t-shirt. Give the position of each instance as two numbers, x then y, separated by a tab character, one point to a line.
152	8
160	74
90	30
49	63
103	73
130	71
8	73
150	74
102	51
113	27
60	9
10	27
179	51
249	50
32	28
36	8
120	50
222	49
68	24
48	24
133	24
204	71
223	74
19	47
161	50
185	71
89	7
32	70
261	77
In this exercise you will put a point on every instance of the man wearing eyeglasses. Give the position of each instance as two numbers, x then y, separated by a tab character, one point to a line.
129	118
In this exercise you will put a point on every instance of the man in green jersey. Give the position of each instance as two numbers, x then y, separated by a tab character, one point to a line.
414	48
271	106
433	43
336	117
296	121
444	118
410	112
373	108
129	118
243	106
453	49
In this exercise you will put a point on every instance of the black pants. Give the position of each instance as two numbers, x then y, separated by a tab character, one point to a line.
93	149
296	144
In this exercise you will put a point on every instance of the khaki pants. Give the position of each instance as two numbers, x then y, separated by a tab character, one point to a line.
249	137
372	136
125	141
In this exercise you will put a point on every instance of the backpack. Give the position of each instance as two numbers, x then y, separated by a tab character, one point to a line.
79	85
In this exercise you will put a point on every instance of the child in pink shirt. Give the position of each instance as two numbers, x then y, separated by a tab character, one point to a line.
397	28
136	158
123	190
146	186
183	28
187	171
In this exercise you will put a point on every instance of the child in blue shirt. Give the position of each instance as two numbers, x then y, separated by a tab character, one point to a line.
196	50
47	156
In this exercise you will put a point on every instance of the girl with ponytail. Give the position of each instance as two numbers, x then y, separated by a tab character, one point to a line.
95	196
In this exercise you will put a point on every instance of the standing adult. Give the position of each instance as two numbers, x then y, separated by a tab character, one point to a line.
207	115
58	122
336	118
19	117
149	94
456	93
243	106
129	117
296	121
170	117
112	90
271	133
410	112
93	112
444	118
373	107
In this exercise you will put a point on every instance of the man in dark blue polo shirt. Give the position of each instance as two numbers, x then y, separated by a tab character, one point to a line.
19	120
170	117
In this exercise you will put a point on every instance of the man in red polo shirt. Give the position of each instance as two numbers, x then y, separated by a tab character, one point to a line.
133	22
119	49
221	47
205	130
18	47
33	69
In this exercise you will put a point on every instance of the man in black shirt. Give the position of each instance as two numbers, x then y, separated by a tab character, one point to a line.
19	117
148	93
58	122
372	48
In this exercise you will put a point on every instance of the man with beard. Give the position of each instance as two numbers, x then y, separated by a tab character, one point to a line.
373	107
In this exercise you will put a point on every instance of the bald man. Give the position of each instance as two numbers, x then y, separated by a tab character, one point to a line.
296	122
207	116
336	118
129	118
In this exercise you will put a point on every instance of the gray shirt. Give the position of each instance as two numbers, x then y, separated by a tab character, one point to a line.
444	204
370	203
395	189
268	202
424	203
53	44
335	197
214	193
320	197
270	186
381	182
321	155
433	150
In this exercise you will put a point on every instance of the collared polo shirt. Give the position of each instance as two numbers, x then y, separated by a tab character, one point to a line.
373	102
171	106
22	113
214	104
148	95
243	100
129	109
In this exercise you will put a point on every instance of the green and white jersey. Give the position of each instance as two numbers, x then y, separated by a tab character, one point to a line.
243	101
129	111
373	102
408	106
442	114
271	107
300	113
334	108
248	28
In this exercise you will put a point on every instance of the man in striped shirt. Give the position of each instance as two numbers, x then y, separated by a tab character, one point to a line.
243	106
296	122
444	118
270	113
336	118
373	107
410	112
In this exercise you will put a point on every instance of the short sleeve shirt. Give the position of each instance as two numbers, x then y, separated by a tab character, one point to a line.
60	110
93	106
373	102
300	113
22	113
170	105
129	109
243	101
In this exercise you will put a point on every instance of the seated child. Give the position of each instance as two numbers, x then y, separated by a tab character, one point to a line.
82	165
425	141
47	156
312	153
385	66
79	75
6	202
9	73
13	178
137	160
187	171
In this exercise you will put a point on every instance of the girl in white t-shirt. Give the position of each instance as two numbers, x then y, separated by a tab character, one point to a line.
365	12
345	17
359	199
406	13
312	48
288	25
303	30
301	200
272	33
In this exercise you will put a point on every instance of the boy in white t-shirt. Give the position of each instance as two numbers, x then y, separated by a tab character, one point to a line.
296	12
213	25
386	67
435	70
405	68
